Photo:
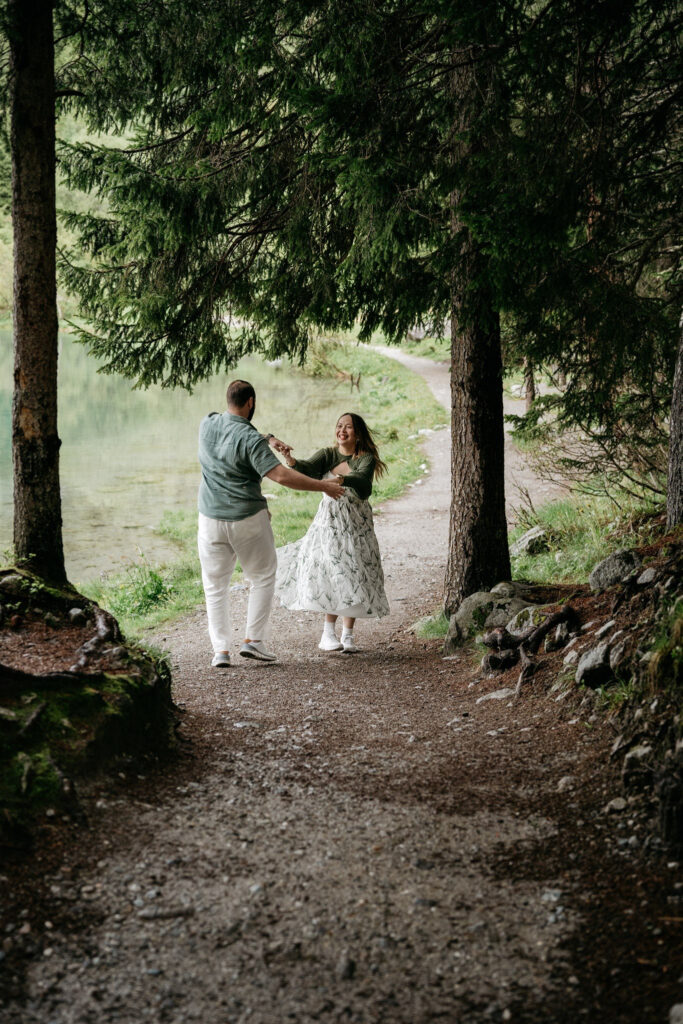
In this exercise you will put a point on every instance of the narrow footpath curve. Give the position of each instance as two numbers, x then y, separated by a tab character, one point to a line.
350	839
521	483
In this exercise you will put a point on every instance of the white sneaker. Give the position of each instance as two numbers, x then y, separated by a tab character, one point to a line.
329	643
221	659
258	650
348	644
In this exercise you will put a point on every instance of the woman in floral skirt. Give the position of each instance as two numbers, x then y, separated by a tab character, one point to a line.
336	568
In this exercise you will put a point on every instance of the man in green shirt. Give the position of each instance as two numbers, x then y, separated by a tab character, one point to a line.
234	521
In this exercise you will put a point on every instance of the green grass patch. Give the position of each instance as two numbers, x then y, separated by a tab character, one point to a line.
145	596
396	405
432	627
437	349
614	696
581	531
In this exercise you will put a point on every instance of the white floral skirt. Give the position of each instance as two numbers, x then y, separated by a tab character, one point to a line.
336	566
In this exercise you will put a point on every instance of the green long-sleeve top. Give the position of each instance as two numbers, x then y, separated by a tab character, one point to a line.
362	469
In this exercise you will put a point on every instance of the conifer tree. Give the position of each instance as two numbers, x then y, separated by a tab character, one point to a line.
604	294
31	92
392	162
313	186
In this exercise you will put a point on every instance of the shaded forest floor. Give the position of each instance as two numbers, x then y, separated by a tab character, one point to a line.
352	838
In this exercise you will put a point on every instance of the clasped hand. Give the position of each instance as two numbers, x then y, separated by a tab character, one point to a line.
280	446
333	488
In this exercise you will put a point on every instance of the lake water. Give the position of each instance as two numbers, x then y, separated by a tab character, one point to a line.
129	456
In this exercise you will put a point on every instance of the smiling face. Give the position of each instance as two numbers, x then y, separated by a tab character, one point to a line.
346	435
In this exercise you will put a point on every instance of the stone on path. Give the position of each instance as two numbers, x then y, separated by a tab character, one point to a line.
496	695
616	806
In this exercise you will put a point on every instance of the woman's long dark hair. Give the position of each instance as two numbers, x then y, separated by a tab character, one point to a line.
365	442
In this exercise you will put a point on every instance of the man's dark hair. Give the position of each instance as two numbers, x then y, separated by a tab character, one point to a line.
239	392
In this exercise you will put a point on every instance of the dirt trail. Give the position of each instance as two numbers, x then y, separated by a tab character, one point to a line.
521	482
352	839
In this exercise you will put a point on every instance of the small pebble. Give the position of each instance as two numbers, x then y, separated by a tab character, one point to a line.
346	968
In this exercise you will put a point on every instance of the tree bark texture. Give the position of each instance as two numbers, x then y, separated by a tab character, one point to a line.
674	495
35	441
478	555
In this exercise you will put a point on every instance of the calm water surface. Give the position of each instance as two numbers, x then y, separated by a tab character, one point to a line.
129	456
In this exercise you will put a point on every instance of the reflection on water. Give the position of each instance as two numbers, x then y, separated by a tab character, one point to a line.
129	456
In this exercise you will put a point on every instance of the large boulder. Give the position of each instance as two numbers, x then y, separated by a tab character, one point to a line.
496	618
472	613
613	569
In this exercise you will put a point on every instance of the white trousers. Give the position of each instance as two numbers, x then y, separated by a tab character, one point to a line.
220	544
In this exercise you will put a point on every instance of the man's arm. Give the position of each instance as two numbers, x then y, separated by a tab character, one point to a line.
298	482
278	445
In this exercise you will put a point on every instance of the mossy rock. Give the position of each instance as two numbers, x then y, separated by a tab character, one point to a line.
20	586
528	618
471	615
65	726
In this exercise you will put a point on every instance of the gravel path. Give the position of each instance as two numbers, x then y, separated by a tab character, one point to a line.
347	839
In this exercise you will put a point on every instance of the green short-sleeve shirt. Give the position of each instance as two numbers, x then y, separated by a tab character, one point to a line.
234	458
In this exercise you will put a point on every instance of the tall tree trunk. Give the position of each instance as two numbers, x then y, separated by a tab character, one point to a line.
674	496
478	555
529	384
35	442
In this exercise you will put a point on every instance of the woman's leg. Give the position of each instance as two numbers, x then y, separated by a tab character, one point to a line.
329	641
348	643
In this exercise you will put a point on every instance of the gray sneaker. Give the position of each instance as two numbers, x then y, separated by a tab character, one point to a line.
221	659
258	650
